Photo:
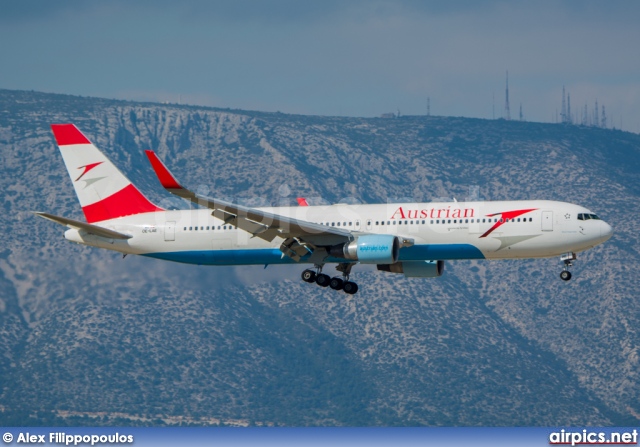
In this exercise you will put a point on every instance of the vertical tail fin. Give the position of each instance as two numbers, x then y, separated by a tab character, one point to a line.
103	191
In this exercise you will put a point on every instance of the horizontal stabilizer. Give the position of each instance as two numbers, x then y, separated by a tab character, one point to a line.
92	229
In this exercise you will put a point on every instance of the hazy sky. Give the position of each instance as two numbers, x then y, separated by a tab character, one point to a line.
331	57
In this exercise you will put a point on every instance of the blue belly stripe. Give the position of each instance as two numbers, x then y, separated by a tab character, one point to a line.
431	252
226	257
440	252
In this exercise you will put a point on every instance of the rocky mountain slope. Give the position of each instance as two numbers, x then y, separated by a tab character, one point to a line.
89	338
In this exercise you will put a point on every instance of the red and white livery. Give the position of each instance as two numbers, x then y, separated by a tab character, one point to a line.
414	239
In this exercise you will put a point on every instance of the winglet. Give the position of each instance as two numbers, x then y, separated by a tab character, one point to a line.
167	180
302	201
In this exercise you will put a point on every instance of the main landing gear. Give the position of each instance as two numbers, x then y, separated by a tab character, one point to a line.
565	274
336	283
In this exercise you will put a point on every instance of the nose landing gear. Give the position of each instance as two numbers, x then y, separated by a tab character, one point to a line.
336	283
565	274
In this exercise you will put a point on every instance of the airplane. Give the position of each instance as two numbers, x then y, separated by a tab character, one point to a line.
413	239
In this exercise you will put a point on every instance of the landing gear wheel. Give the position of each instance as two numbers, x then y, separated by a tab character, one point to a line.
308	276
323	280
565	274
336	283
350	287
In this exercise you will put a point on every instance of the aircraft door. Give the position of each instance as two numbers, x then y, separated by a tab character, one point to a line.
547	221
170	231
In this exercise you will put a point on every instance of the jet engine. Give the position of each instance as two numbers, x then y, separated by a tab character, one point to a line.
369	249
415	269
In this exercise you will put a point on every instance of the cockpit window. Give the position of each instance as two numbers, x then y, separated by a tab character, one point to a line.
587	216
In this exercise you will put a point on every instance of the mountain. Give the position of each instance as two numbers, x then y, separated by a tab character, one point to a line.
89	338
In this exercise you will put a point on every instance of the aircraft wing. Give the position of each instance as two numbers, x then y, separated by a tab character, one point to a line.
301	237
89	228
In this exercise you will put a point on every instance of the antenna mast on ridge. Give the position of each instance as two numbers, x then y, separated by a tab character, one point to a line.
507	112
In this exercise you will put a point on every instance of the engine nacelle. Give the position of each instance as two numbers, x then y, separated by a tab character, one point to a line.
369	249
415	269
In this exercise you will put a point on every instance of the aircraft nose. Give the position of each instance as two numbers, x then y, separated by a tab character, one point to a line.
605	231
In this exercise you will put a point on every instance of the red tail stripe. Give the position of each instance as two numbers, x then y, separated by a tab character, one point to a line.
125	202
68	134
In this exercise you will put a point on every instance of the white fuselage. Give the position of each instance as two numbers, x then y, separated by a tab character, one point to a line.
440	231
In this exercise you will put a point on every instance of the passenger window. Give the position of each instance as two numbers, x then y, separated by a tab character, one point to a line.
338	224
